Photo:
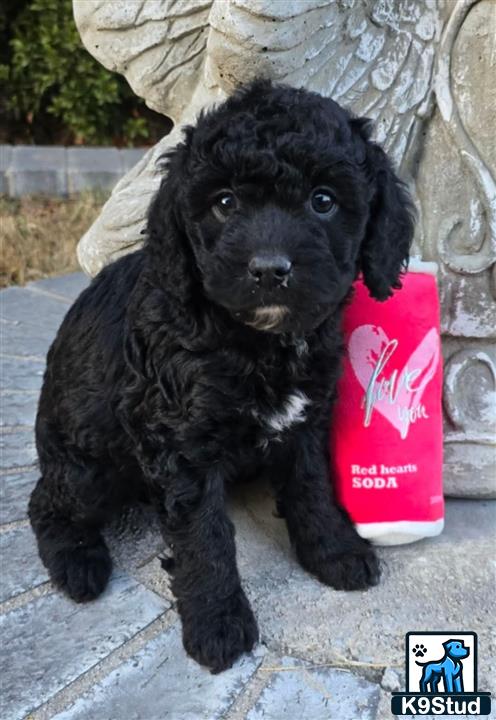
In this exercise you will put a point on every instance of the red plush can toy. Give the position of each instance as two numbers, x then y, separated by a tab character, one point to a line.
387	440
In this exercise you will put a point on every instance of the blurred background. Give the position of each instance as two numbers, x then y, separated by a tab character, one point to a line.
53	92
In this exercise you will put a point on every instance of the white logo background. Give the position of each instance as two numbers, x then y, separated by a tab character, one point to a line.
433	644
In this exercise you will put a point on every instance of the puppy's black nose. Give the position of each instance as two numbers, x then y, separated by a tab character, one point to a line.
269	270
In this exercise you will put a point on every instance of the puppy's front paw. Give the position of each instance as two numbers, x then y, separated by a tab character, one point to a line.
356	569
216	633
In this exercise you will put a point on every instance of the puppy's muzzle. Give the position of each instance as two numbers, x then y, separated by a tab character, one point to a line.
269	271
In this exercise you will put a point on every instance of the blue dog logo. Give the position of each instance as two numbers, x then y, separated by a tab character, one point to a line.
441	687
449	669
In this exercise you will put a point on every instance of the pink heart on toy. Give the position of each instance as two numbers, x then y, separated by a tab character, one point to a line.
395	393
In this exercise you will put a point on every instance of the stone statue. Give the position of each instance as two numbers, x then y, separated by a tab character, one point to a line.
421	69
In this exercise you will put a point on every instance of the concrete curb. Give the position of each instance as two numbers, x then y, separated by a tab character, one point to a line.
53	170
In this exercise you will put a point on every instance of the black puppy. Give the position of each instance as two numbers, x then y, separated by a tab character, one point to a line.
213	354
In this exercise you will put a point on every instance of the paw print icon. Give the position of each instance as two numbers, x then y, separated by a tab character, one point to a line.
419	650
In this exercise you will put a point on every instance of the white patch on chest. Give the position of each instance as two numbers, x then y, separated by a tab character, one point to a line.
292	412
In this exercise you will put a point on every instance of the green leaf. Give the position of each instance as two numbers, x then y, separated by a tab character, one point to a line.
52	75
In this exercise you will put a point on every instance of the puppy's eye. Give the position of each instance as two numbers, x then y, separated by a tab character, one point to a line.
224	204
322	201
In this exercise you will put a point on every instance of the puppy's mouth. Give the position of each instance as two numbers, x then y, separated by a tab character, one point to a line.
268	318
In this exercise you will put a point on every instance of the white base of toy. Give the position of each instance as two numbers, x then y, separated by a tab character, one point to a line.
399	533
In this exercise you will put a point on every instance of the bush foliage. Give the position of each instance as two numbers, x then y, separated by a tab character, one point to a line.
54	91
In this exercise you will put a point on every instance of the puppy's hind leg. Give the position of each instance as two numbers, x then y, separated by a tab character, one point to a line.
67	528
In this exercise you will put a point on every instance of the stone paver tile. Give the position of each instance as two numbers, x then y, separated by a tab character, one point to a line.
261	556
257	499
51	641
21	373
20	305
67	286
383	711
21	567
17	449
21	339
18	408
309	619
134	538
316	694
154	577
162	683
14	495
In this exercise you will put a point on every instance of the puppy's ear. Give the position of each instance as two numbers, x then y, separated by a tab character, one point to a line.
167	242
385	249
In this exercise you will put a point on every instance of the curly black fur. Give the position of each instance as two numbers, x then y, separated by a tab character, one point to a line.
159	379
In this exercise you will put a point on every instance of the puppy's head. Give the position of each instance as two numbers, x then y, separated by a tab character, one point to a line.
273	204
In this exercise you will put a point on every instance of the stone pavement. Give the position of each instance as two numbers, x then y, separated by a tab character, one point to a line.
324	655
